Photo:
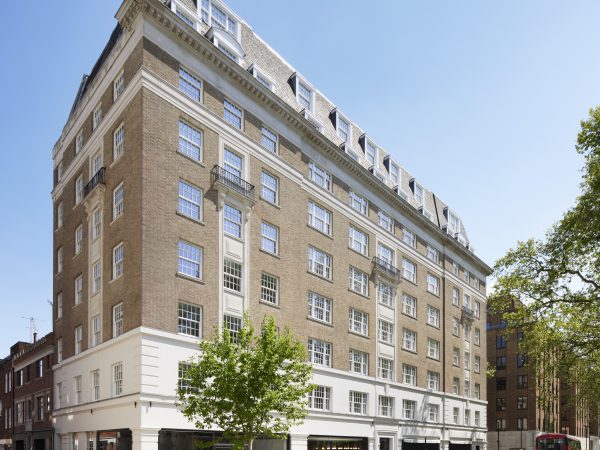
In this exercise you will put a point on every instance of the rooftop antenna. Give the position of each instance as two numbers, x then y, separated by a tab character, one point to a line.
32	328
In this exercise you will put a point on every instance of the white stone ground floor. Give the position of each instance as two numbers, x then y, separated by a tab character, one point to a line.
143	415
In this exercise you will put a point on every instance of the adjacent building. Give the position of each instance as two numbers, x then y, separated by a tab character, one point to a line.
524	401
26	395
6	403
200	176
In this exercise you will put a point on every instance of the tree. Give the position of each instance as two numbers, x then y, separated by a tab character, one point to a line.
247	385
557	280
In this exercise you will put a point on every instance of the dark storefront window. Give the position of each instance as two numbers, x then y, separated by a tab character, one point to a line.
114	440
336	443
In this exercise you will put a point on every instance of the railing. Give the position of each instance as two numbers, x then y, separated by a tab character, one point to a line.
97	179
468	312
229	180
385	267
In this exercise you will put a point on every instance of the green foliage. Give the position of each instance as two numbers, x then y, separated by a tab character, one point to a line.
557	281
248	385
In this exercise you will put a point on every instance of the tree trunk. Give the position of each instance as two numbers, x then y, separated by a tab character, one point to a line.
250	444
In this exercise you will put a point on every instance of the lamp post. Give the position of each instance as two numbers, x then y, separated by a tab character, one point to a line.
498	439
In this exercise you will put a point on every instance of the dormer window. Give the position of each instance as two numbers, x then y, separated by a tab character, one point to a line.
370	149
261	76
454	222
305	93
305	96
394	173
418	192
225	42
342	126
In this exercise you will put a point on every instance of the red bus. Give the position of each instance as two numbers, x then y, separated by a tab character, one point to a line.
557	442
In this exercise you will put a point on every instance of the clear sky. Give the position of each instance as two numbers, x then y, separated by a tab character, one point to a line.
481	100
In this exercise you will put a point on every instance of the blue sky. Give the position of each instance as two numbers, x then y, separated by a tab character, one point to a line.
479	100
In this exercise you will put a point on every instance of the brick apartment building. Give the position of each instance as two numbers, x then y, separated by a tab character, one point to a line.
6	403
32	401
523	402
26	397
199	176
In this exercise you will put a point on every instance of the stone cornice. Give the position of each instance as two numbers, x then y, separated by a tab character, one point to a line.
170	22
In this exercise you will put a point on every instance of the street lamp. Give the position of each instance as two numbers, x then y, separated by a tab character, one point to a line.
498	429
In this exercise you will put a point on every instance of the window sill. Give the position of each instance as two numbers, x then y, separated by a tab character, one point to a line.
116	218
432	358
191	219
189	158
355	333
322	322
114	280
409	316
115	161
320	232
414	352
409	280
76	305
359	294
274	255
272	305
187	277
269	202
359	253
437	327
434	294
329	280
386	343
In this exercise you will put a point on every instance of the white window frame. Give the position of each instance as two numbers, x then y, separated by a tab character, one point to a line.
79	189
358	362
186	264
407	273
97	116
433	348
233	113
233	221
117	379
386	294
78	339
385	406
189	200
78	142
268	242
96	331
320	262
385	221
302	85
358	240
319	352
95	385
358	203
189	320
433	284
409	374
409	340
433	380
118	317
385	331
269	140
233	276
118	257
268	192
59	215
118	85
409	409
118	201
190	85
319	307
385	368
358	281
59	259
119	142
78	285
433	254
358	322
190	141
319	399
409	305
409	238
433	316
319	176
269	288
358	402
319	218
344	135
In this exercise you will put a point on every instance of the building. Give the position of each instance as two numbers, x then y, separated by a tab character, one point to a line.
199	176
6	402
32	402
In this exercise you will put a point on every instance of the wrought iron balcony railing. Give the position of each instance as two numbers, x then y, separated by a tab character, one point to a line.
231	181
384	267
97	179
468	312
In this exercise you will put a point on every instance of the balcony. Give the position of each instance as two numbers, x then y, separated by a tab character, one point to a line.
231	182
97	179
384	268
467	313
